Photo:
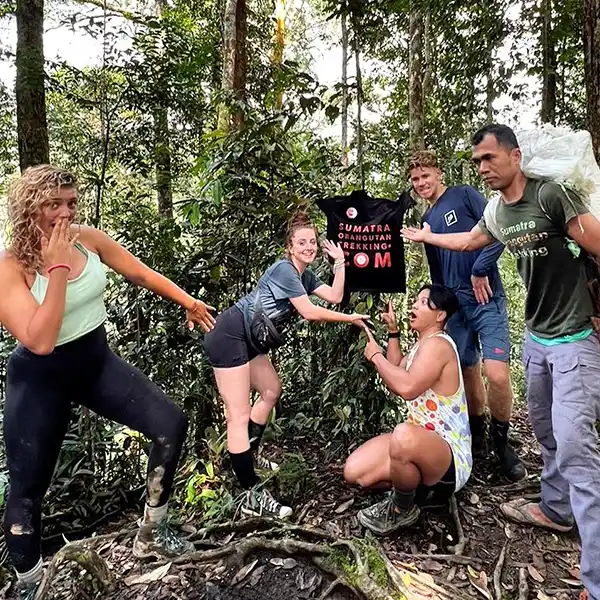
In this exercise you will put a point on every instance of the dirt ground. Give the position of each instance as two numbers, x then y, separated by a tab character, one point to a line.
325	502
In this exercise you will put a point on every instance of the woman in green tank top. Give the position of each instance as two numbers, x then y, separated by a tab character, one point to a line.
52	277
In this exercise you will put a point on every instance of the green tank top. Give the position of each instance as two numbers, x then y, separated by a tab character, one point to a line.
84	306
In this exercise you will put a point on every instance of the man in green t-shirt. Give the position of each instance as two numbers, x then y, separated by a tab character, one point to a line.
539	222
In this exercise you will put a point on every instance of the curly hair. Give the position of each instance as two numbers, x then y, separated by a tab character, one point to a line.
26	197
421	159
299	220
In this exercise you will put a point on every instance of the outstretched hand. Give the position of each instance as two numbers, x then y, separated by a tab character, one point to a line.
199	314
372	348
333	250
414	234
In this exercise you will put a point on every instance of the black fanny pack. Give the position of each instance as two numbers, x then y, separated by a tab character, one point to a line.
260	330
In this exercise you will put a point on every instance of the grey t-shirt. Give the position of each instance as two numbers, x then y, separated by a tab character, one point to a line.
280	282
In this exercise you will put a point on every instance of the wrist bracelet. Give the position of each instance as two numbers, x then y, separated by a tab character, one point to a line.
393	334
58	266
374	355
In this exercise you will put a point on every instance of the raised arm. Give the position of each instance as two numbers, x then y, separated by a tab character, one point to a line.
123	262
37	326
461	242
334	293
424	372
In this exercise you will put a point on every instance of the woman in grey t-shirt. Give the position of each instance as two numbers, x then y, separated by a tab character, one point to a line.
238	345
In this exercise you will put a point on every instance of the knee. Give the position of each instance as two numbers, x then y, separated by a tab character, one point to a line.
352	471
404	442
271	394
173	428
238	417
498	375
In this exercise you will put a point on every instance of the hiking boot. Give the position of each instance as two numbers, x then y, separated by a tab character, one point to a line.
385	517
266	464
511	465
260	503
478	426
160	541
27	591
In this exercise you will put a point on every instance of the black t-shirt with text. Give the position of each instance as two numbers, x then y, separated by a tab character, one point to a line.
368	230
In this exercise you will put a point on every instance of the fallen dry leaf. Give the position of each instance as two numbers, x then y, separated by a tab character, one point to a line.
289	563
344	506
432	565
479	582
474	498
508	531
255	577
243	572
150	577
573	582
535	574
575	573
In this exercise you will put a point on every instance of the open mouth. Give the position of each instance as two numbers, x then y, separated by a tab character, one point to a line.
412	315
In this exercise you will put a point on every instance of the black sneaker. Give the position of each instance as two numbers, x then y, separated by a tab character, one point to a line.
384	517
265	464
260	503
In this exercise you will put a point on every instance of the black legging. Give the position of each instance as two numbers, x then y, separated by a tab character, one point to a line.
39	393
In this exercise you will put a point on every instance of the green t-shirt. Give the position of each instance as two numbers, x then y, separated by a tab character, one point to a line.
558	301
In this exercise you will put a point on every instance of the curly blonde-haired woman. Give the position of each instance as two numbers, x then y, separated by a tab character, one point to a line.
53	279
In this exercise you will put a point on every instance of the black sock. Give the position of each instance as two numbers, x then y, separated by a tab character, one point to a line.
242	464
255	433
403	500
477	425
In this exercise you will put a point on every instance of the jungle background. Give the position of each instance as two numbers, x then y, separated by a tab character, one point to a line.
196	128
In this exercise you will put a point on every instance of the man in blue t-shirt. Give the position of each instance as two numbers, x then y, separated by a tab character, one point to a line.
481	325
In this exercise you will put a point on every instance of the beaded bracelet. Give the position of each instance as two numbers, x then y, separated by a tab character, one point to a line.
393	334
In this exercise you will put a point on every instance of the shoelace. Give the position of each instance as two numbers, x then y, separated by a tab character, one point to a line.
268	502
171	539
263	463
382	509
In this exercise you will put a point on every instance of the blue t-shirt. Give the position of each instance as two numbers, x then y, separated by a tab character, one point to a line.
457	210
280	282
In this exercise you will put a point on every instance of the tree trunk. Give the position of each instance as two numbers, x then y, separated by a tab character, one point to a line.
359	101
279	47
548	112
32	128
229	58
415	68
241	59
490	90
233	77
162	146
591	45
344	91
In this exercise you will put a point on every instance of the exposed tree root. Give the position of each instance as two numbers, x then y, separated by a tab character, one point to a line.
498	573
360	565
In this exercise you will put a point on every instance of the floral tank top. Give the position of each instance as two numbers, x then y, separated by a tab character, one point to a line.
446	415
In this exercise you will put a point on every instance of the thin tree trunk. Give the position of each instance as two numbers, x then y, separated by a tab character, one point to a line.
162	146
591	46
548	112
415	67
344	91
241	59
428	56
359	101
280	11
229	57
490	89
32	127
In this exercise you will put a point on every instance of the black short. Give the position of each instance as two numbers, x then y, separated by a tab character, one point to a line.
438	495
227	345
